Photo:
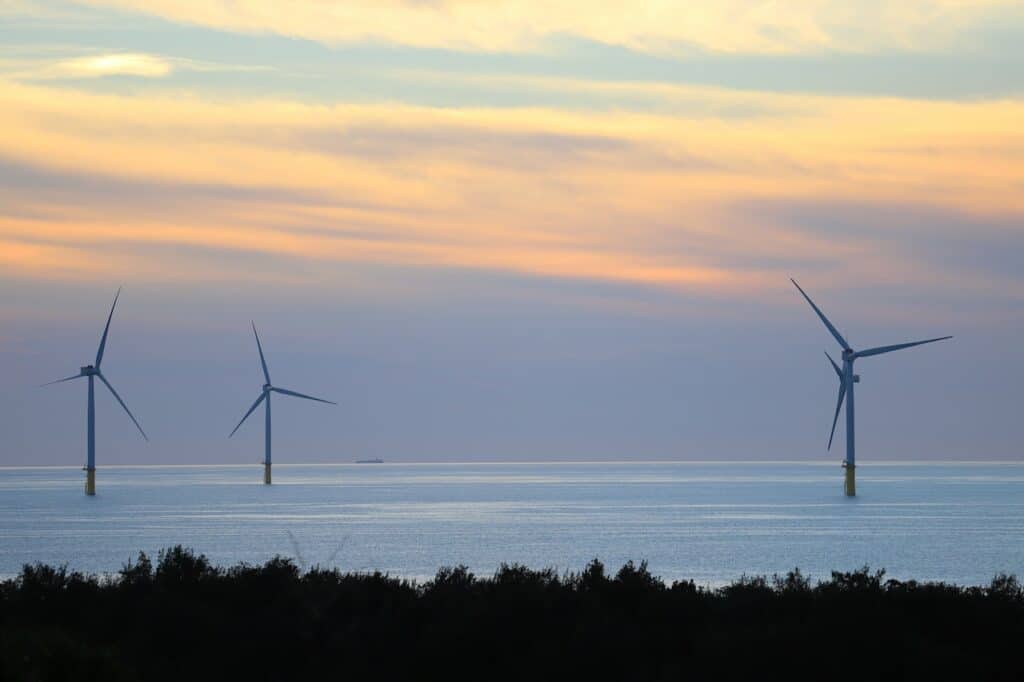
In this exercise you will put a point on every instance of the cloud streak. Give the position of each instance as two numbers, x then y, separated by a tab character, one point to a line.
667	202
731	26
117	64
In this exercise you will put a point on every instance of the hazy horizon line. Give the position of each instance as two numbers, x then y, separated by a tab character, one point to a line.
226	465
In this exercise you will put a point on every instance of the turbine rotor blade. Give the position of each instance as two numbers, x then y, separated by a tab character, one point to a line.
839	372
298	552
51	383
334	554
899	346
839	405
301	395
831	328
254	406
103	339
134	420
266	374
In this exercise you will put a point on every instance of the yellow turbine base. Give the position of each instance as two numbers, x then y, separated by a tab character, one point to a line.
266	474
850	485
90	481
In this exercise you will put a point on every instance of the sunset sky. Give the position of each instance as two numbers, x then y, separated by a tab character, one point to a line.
511	230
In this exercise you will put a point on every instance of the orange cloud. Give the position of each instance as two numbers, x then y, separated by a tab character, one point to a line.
653	200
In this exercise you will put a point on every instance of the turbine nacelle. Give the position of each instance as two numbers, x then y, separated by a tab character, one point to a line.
267	388
89	370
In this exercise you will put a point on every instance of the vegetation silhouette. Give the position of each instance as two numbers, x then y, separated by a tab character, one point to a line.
184	618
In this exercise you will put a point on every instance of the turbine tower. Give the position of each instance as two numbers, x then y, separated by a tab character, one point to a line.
92	372
268	388
846	381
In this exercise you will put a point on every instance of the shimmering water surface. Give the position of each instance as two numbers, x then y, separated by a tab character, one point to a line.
708	521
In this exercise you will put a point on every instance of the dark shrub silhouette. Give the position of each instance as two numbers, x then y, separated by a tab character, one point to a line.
185	619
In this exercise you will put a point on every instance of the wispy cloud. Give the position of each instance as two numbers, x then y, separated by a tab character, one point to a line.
54	66
736	26
123	64
671	202
91	66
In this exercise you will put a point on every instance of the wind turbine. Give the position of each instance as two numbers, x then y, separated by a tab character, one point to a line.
265	397
93	371
846	381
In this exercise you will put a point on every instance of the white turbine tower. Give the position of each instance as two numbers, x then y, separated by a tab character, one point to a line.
846	381
93	371
265	397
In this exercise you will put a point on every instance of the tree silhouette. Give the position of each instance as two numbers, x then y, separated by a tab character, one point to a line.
184	618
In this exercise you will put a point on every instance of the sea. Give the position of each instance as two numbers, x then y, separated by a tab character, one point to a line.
702	521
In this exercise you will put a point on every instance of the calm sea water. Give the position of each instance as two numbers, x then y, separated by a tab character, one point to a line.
709	522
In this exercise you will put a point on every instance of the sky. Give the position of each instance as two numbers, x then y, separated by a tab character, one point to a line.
498	230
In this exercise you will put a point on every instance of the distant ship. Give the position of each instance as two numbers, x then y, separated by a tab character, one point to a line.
370	461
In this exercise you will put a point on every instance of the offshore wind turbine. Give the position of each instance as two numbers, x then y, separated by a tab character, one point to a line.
268	388
846	381
92	372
